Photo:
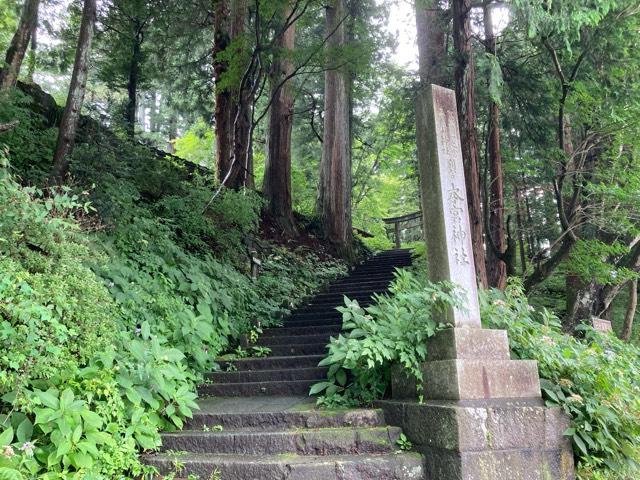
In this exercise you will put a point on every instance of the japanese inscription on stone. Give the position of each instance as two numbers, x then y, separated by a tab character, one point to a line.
447	232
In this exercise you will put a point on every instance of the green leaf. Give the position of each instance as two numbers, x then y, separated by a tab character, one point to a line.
24	431
145	331
49	398
318	387
81	460
10	474
581	445
77	434
6	437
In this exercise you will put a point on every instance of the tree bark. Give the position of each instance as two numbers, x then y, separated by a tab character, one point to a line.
521	235
430	25
627	328
465	80
69	122
276	187
334	195
234	160
496	267
581	305
223	117
242	168
132	85
19	44
33	52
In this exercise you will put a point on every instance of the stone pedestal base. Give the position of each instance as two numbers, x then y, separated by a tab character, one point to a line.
471	364
486	440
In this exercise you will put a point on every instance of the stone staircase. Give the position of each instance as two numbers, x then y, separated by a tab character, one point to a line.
257	421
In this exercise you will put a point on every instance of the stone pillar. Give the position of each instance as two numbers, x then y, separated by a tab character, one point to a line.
483	417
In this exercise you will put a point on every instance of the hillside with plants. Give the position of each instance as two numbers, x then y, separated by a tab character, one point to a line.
119	291
176	177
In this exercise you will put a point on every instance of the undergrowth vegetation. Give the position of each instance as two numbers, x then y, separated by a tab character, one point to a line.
594	379
116	295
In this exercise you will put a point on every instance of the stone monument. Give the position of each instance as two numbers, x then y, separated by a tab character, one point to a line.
483	417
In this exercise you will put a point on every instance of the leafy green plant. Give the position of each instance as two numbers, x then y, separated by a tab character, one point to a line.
404	443
260	352
596	380
116	295
376	337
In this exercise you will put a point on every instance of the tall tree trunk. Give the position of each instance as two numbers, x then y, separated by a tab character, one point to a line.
334	195
154	113
430	26
19	44
465	80
277	175
69	122
223	113
234	159
582	298
132	85
173	133
627	328
33	52
496	267
521	233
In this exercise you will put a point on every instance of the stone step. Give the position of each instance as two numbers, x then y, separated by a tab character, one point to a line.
269	420
315	321
367	276
325	441
299	349
331	305
370	277
294	339
288	331
381	266
256	389
401	466
271	375
330	317
364	282
384	258
273	363
354	290
382	286
338	297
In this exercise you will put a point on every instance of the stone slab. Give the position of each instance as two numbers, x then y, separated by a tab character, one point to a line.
480	379
500	465
469	344
488	439
444	198
403	385
481	425
402	466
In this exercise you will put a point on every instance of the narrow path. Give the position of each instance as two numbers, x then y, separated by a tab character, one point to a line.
258	422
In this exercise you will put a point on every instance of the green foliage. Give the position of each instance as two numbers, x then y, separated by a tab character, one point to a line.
404	443
32	141
9	15
589	258
376	337
197	144
111	310
44	331
596	380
